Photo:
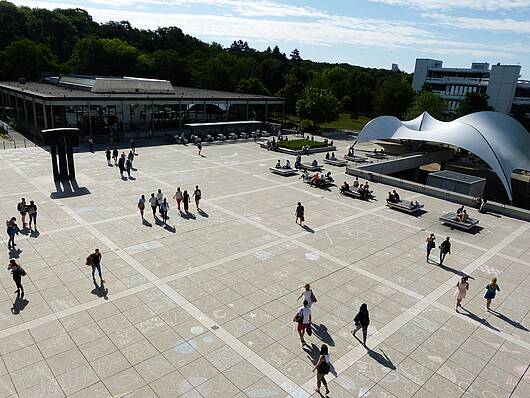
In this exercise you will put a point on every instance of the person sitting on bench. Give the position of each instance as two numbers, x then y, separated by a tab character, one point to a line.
375	150
396	196
278	164
464	217
459	212
391	198
305	176
327	155
287	164
356	182
298	162
315	180
314	163
333	156
344	187
328	176
414	204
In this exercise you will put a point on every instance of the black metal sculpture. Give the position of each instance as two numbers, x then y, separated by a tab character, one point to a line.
62	142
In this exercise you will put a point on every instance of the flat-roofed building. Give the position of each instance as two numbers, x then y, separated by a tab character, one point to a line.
100	106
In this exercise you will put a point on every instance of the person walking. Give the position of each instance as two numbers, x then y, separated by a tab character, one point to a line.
186	201
133	146
18	272
22	208
91	144
197	195
462	287
300	214
178	197
308	295
94	260
303	320
12	230
159	197
154	203
141	206
322	367
199	147
362	320
32	213
128	166
107	155
164	209
115	156
121	165
445	248
491	289
430	244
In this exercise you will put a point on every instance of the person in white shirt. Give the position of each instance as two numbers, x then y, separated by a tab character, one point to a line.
303	318
159	197
308	295
164	208
154	203
178	197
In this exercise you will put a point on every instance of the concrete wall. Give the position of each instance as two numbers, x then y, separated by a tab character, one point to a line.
502	85
407	162
454	197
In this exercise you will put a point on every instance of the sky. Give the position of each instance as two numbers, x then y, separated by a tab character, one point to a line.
371	33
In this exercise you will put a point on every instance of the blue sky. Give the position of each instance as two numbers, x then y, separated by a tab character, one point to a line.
372	33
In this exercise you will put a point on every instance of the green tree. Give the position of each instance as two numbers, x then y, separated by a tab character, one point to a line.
426	101
291	92
473	102
393	97
112	57
252	86
13	23
24	58
317	105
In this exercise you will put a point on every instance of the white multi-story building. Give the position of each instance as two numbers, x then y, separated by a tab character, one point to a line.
501	83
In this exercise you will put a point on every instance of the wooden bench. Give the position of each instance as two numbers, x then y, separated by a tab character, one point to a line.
357	195
309	167
283	172
404	206
336	162
452	220
356	159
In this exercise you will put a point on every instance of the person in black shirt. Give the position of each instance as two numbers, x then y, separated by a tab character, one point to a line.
32	212
445	248
18	272
362	320
94	260
300	214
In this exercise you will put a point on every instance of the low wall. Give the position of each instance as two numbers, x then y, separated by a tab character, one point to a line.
454	197
407	162
311	151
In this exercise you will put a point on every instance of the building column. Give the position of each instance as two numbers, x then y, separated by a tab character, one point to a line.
247	110
266	111
89	121
180	117
24	99
35	123
45	116
51	113
16	106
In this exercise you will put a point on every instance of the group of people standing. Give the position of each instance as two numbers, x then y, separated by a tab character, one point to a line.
26	210
124	163
160	203
303	320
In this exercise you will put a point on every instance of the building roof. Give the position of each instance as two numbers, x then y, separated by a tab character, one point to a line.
498	139
459	177
51	91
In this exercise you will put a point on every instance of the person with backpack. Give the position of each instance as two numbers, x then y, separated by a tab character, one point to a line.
308	295
430	244
12	230
141	206
18	272
94	260
445	248
362	320
128	167
164	209
197	194
303	320
32	213
107	155
323	366
22	208
115	155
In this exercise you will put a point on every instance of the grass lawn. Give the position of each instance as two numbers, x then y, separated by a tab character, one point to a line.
344	122
298	144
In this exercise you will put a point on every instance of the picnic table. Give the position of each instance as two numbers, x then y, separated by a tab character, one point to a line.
453	220
404	206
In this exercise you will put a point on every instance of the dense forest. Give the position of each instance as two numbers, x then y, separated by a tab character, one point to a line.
38	41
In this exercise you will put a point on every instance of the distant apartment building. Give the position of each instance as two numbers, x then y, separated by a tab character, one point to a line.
501	83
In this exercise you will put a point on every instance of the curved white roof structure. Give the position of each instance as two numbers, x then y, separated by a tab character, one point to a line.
498	139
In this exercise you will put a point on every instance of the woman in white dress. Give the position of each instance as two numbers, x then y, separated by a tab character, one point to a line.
461	289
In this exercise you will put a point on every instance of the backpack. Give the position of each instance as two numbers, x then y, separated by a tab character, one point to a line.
313	297
89	260
324	368
299	317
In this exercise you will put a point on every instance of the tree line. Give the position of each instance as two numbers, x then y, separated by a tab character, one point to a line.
36	41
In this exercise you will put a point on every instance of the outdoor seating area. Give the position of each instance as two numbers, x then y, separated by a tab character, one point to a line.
355	159
452	220
336	162
405	206
311	167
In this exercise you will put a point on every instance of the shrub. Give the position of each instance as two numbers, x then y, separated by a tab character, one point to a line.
297	145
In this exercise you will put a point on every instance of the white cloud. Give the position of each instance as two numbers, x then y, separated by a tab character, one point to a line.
488	5
501	25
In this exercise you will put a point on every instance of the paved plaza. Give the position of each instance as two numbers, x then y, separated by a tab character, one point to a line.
204	307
